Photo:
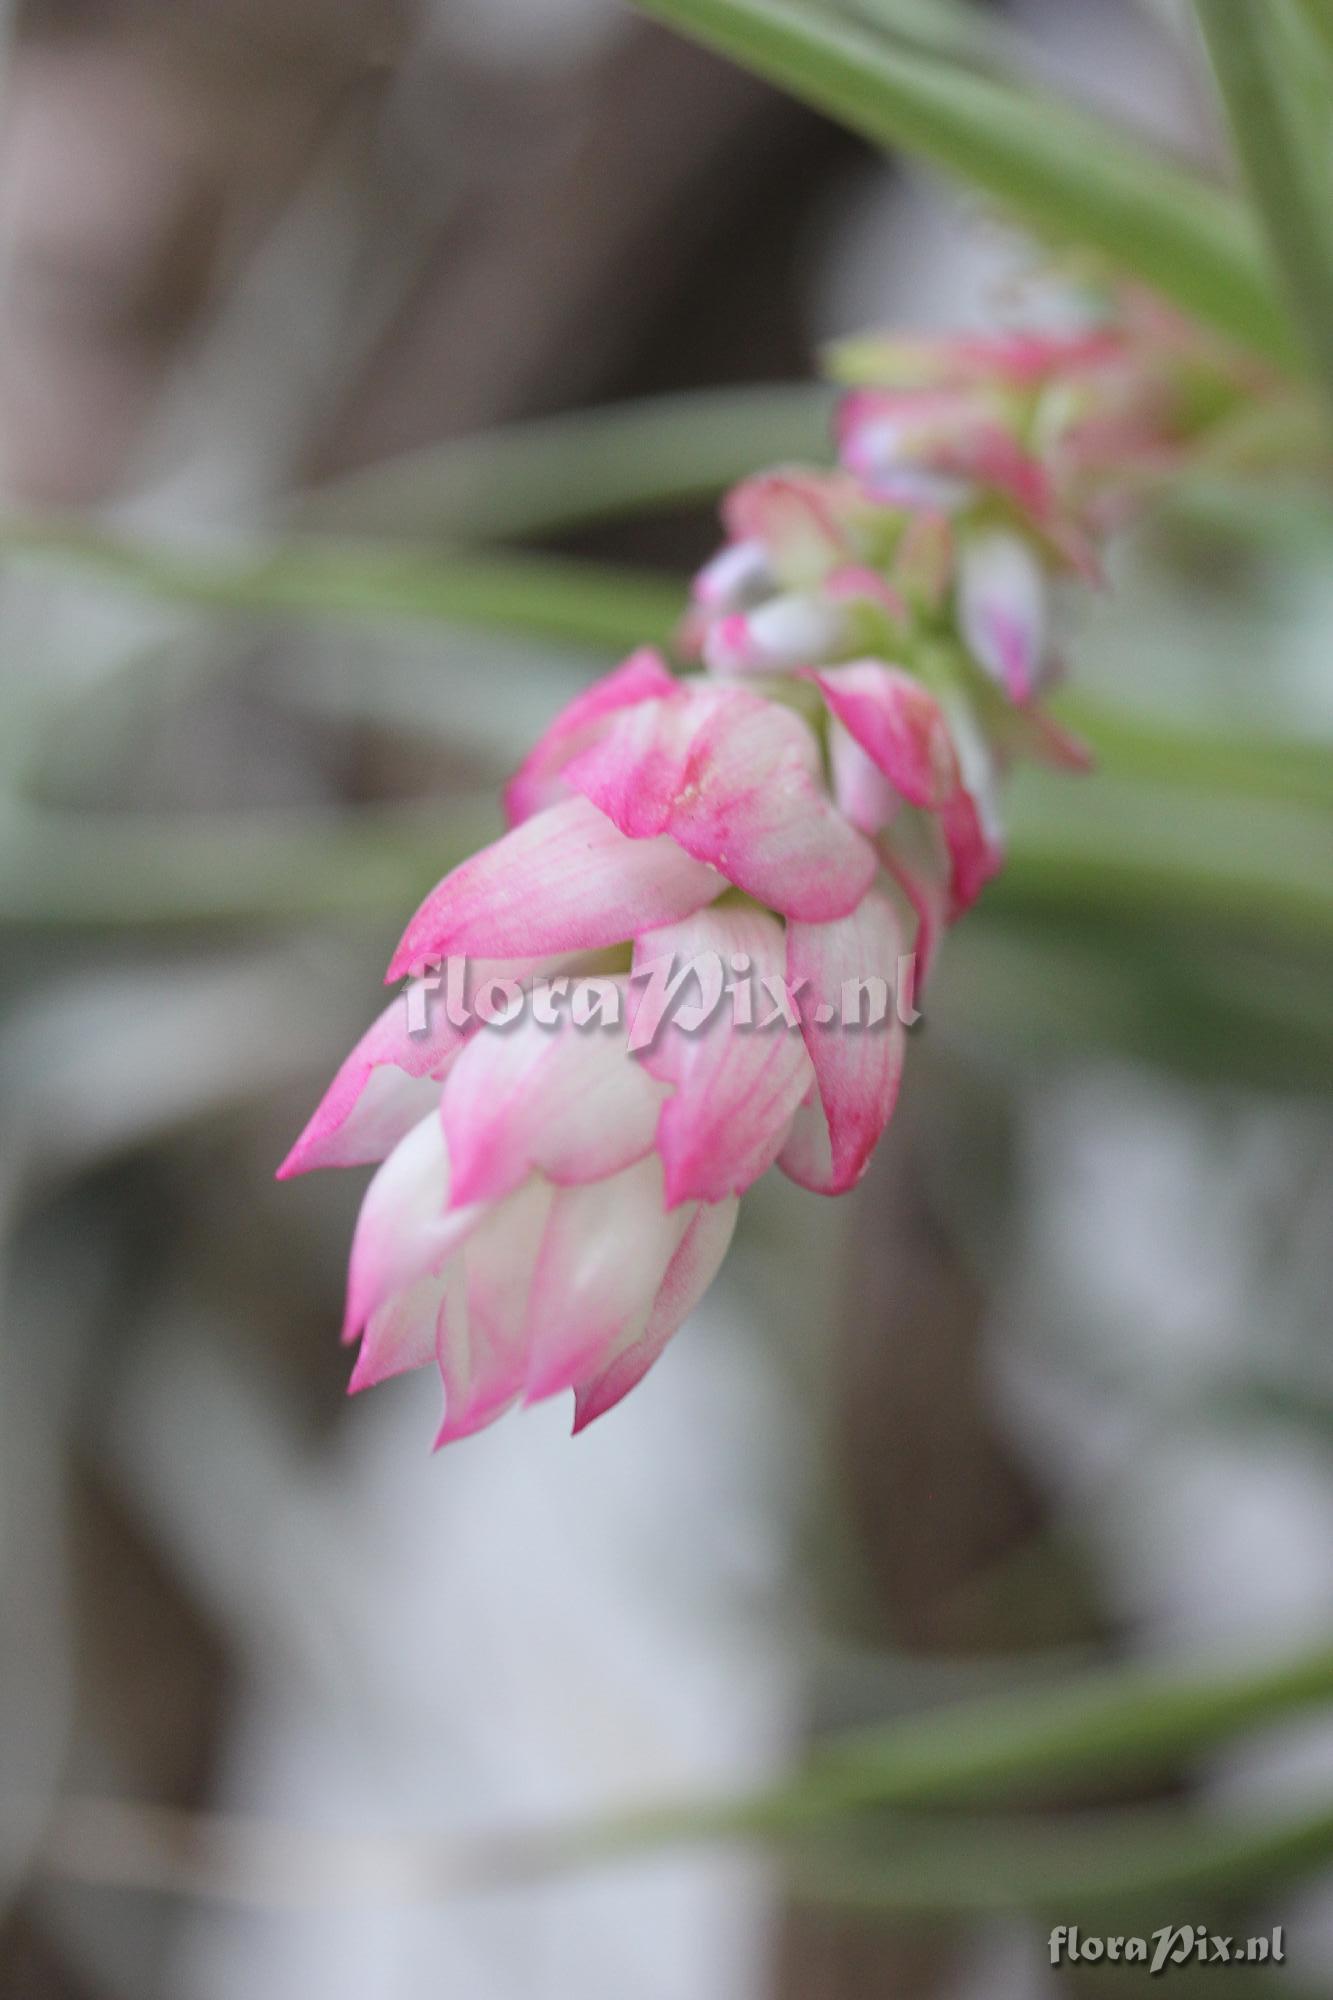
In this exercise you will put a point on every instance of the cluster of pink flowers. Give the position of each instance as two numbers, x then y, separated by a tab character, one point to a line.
817	804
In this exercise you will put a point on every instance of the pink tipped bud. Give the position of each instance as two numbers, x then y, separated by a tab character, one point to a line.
738	577
788	632
1002	609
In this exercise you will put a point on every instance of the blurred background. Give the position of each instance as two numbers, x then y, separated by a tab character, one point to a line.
1053	1388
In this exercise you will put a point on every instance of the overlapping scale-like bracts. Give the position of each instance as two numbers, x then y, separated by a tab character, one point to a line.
807	808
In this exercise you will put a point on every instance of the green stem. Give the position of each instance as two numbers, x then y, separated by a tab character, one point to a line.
1284	160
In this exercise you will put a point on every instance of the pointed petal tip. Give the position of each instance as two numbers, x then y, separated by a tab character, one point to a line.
453	1431
299	1160
586	1411
303	1157
837	1182
474	1417
363	1375
1067	751
558	1372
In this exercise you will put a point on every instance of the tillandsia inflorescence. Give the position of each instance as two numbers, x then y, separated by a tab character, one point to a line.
804	817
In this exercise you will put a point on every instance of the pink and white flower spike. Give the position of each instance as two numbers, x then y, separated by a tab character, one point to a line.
723	865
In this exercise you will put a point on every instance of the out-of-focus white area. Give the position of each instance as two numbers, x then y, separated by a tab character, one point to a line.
540	33
518	1633
1157	1355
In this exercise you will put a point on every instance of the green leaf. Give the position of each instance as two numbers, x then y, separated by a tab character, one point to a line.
1282	139
553	473
1145	1864
1150	1859
1129	1720
1318	15
588	465
1126	1725
1067	174
1287	770
1030	989
582	603
596	605
1138	852
947	27
159	870
953	1866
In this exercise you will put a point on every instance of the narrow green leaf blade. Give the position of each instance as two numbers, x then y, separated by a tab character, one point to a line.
579	602
1319	17
1135	1719
1144	1860
1067	174
560	472
1282	139
948	27
1131	1723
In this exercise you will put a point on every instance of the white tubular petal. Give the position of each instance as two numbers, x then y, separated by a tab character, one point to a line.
1002	609
404	1232
484	1331
386	1111
564	1101
794	630
689	1274
605	1253
736	578
791	631
385	1086
904	485
402	1334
